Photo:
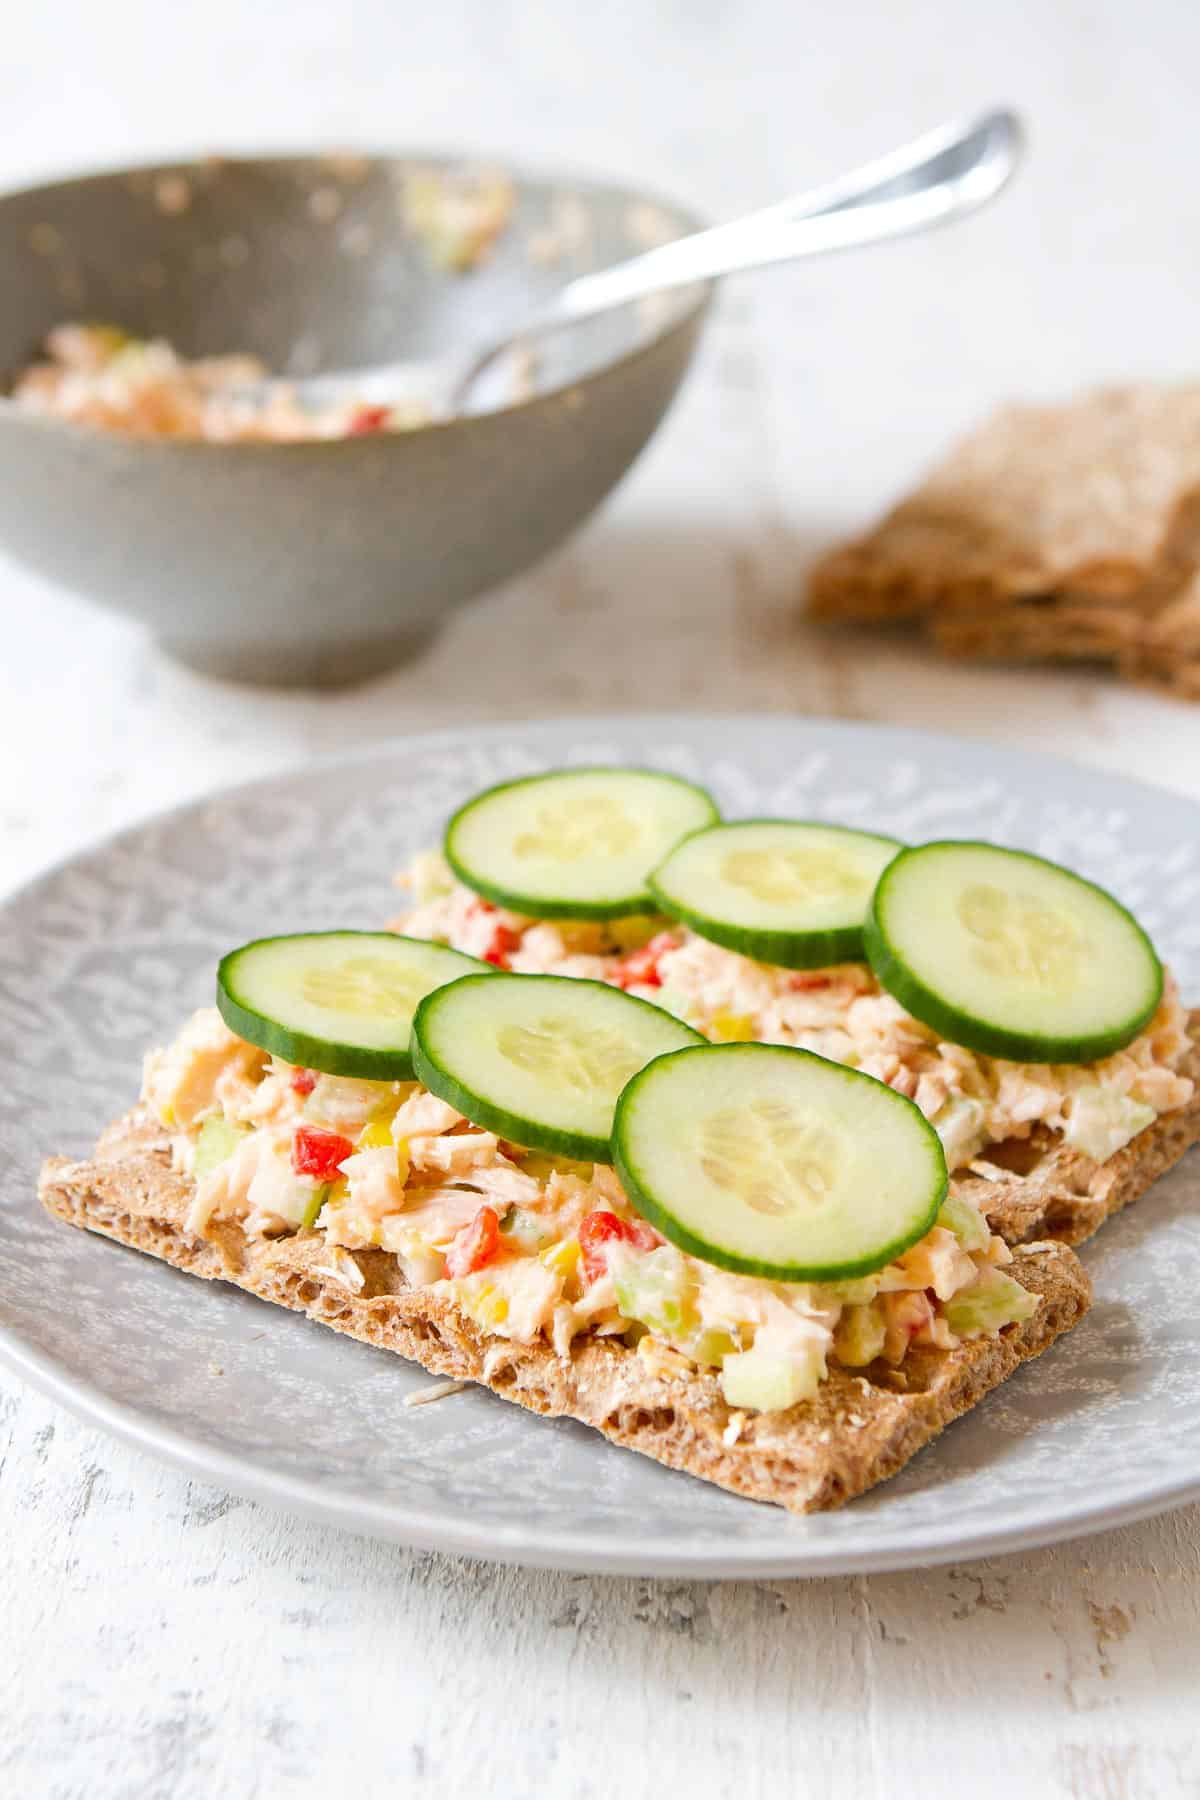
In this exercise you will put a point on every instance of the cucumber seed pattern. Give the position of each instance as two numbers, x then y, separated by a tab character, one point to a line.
594	824
570	1055
775	1159
363	985
1018	935
780	877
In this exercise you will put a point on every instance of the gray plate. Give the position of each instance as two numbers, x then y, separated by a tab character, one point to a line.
105	955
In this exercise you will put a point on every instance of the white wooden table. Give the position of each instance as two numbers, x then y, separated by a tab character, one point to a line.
161	1638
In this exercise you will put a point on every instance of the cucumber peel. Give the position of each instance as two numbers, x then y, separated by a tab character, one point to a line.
1011	955
775	1162
573	843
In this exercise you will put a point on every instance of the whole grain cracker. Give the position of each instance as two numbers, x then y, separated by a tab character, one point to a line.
1058	532
814	1456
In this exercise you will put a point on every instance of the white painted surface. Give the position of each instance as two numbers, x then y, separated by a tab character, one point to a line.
160	1639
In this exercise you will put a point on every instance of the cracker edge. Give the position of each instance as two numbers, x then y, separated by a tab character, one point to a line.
816	1456
1067	1196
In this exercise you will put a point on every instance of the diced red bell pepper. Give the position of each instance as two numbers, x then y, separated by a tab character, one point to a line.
504	940
368	419
304	1080
320	1153
476	1244
601	1228
805	980
640	968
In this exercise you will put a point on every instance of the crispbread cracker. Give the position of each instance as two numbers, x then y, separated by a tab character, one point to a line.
1061	532
859	1429
1057	1192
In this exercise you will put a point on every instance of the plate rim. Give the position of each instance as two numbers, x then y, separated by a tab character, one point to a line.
422	1529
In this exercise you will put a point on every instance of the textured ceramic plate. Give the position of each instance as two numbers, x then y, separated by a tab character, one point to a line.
104	956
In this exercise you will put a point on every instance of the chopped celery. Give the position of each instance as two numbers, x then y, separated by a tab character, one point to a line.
654	1287
711	1348
218	1140
312	1211
523	1227
769	1380
988	1304
859	1336
965	1221
1102	1122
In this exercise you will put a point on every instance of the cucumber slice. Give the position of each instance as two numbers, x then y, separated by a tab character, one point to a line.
775	1162
1011	955
539	1059
784	891
338	1001
576	843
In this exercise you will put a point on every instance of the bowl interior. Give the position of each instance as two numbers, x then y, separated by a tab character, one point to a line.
310	262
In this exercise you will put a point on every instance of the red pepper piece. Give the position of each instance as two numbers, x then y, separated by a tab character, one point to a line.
304	1080
317	1152
368	419
504	939
640	968
600	1228
476	1244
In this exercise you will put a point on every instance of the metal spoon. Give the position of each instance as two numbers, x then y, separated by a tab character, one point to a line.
943	175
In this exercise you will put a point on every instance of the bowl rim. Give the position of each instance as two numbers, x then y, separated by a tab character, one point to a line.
689	316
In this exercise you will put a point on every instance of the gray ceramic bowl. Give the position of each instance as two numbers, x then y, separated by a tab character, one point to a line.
318	562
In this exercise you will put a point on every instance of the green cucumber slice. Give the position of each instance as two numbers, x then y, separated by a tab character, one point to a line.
1011	955
576	843
338	1001
775	1162
539	1059
785	891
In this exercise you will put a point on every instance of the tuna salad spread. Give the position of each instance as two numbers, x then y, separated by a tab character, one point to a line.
532	1245
98	375
973	1102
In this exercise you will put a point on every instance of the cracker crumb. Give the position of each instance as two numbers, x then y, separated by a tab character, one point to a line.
734	1429
437	1390
661	1360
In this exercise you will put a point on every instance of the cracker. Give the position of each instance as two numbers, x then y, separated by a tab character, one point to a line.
1053	1191
1051	532
816	1455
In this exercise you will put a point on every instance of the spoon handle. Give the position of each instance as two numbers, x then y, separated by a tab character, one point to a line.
941	176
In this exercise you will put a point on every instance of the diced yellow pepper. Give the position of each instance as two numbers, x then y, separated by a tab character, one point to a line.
487	1307
732	1028
562	1258
375	1136
378	1136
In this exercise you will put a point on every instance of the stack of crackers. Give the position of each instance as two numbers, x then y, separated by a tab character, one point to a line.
1065	532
